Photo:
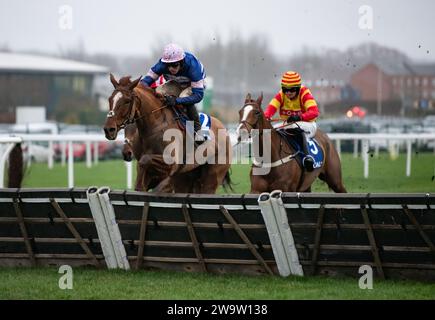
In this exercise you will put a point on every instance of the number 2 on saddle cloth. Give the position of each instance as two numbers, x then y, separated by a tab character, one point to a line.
174	86
182	118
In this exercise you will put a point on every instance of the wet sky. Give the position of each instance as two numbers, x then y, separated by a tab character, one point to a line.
137	27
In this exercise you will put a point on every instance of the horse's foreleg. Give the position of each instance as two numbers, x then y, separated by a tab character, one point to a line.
183	183
212	176
139	186
258	184
165	186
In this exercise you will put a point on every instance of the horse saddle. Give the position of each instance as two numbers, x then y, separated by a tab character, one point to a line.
204	119
182	82
174	86
293	137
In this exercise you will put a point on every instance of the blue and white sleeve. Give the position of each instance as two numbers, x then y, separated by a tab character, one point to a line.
153	74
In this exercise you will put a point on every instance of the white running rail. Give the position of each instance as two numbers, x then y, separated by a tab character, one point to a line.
367	140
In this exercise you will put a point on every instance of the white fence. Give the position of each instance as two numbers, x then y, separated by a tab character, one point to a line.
66	142
375	140
366	140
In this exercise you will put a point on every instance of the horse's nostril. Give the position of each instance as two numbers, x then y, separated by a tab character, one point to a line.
111	130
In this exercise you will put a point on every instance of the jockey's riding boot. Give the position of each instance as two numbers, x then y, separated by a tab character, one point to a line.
308	160
193	115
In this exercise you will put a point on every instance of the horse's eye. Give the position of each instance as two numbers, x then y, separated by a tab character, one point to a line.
257	112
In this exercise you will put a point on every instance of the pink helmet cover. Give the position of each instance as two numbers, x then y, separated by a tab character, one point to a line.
172	53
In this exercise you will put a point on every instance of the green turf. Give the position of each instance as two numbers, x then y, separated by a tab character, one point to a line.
42	283
385	175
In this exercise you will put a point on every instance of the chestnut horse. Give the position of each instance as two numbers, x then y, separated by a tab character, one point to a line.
287	175
133	148
131	104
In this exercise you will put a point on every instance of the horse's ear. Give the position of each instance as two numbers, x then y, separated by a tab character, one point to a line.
248	98
133	85
113	80
260	99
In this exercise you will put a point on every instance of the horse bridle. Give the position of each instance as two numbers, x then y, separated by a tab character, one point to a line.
257	116
131	110
127	142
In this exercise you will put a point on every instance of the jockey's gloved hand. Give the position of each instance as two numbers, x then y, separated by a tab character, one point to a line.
293	118
170	101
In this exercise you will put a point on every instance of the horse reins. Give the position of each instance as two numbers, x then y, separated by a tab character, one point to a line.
281	149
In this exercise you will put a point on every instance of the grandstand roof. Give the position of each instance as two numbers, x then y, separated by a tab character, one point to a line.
26	63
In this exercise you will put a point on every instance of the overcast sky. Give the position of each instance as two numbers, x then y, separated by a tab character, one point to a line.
135	27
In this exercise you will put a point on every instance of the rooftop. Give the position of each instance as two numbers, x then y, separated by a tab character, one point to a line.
403	69
14	62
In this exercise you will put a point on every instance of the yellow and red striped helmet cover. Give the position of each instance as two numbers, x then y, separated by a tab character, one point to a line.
291	79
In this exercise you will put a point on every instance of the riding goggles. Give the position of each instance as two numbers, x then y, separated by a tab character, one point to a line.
291	90
173	64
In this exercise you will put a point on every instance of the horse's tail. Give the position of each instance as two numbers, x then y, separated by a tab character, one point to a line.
227	183
16	168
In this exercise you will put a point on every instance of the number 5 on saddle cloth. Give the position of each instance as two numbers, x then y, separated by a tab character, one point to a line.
294	137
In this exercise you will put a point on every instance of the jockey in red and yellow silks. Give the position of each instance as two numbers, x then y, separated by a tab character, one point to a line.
297	106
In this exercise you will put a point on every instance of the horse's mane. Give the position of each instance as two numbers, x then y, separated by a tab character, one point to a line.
125	81
147	90
149	94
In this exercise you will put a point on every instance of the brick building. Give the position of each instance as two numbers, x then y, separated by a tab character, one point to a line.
406	85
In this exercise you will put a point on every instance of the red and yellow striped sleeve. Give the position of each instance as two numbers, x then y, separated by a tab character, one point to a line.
274	105
308	104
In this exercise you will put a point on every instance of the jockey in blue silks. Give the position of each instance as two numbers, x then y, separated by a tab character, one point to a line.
177	62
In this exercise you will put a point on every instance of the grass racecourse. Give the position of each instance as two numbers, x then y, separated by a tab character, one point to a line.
43	283
385	175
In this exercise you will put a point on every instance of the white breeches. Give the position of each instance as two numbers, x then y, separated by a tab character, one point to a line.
186	92
309	128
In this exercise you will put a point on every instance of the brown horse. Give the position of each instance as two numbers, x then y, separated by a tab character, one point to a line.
287	175
131	104
16	167
133	148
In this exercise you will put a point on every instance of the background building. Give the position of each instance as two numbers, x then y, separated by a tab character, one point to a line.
403	87
64	87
